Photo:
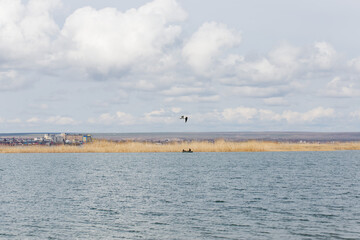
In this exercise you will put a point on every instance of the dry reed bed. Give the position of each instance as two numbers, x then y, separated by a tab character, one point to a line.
103	146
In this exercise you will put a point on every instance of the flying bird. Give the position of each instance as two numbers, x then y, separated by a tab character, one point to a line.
185	118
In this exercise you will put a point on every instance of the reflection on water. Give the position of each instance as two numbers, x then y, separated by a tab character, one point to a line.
297	195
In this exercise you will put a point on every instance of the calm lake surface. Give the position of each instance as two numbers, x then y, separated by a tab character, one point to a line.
287	195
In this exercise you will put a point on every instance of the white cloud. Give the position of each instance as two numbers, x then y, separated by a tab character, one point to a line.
279	66
16	120
145	49
286	56
54	120
169	10
125	118
240	114
119	118
323	56
159	116
261	71
282	71
176	110
354	64
316	113
339	87
33	120
43	106
267	115
107	40
27	30
155	113
245	114
286	63
145	85
261	92
11	80
179	91
355	114
207	43
193	98
105	118
275	101
60	120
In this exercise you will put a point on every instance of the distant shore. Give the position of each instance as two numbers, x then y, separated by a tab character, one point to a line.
163	137
106	146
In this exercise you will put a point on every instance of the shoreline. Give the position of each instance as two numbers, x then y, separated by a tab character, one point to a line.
105	146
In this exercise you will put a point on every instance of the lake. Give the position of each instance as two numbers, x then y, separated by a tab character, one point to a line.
284	195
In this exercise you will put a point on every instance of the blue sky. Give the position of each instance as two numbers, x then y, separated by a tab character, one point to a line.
137	66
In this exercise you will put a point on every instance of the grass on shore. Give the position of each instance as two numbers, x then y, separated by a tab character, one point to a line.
103	146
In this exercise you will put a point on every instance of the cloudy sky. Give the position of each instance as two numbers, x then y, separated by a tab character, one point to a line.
137	66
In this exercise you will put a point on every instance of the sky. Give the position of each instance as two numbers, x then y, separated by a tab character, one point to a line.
137	66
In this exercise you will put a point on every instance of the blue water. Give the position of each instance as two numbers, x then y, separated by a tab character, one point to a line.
297	195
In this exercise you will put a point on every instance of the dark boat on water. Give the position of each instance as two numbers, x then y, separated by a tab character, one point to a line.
187	151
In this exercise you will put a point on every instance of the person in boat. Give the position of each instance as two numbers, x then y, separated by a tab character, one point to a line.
187	150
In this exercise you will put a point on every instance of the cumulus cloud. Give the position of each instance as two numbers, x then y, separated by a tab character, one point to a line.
60	120
340	87
145	85
260	71
144	49
158	116
142	45
11	80
355	114
176	109
119	118
15	121
124	118
240	114
280	72
53	120
260	92
195	92
245	114
275	101
183	90
207	43
354	64
163	116
109	40
33	120
279	66
316	113
192	98
27	31
322	56
268	115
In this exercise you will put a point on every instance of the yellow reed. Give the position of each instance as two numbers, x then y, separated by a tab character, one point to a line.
103	146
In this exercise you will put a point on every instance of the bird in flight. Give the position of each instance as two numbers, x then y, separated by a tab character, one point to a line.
185	118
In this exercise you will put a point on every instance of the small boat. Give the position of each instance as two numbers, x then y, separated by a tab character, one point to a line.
187	151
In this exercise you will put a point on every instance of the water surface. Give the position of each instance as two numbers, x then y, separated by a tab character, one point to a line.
288	195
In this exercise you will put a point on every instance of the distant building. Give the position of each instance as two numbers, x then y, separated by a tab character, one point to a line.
87	138
55	138
73	138
76	138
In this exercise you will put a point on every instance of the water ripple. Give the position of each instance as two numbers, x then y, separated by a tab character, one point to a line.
311	195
